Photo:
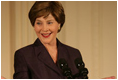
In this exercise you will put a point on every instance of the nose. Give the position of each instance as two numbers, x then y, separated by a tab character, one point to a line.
45	28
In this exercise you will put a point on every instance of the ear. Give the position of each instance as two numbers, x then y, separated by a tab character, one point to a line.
59	25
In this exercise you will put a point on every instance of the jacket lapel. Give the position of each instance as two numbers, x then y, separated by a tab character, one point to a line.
62	51
44	56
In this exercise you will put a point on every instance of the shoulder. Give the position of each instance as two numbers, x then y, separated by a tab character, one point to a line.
29	48
24	50
70	48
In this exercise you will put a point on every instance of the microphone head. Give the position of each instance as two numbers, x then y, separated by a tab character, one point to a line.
62	63
64	66
79	63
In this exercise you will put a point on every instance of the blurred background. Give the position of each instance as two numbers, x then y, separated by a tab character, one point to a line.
91	27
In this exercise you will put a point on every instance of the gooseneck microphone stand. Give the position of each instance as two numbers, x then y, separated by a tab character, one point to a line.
81	67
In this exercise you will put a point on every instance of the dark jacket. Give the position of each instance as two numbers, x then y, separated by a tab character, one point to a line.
34	61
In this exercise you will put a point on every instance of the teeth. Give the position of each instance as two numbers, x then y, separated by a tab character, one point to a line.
46	34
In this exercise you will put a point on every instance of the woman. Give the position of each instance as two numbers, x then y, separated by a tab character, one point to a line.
41	59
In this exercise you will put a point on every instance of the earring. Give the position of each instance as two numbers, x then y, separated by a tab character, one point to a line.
59	28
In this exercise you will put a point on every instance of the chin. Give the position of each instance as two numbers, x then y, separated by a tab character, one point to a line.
45	41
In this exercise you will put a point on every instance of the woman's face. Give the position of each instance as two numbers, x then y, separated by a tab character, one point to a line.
46	29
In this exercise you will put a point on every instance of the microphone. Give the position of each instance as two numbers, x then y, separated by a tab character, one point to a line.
64	66
79	63
81	67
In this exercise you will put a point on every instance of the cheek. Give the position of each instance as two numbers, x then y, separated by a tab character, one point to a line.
55	28
37	29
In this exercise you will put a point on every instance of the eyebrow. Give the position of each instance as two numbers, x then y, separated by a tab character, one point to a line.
38	20
47	20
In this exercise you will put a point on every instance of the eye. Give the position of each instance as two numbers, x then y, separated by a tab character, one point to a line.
50	22
39	23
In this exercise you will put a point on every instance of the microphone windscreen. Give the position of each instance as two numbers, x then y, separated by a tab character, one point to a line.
79	63
62	63
64	66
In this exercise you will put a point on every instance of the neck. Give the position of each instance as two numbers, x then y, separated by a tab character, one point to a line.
52	49
52	45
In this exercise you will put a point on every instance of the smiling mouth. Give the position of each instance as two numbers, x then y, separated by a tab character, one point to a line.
46	35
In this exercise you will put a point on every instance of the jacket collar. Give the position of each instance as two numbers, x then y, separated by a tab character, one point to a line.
44	56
